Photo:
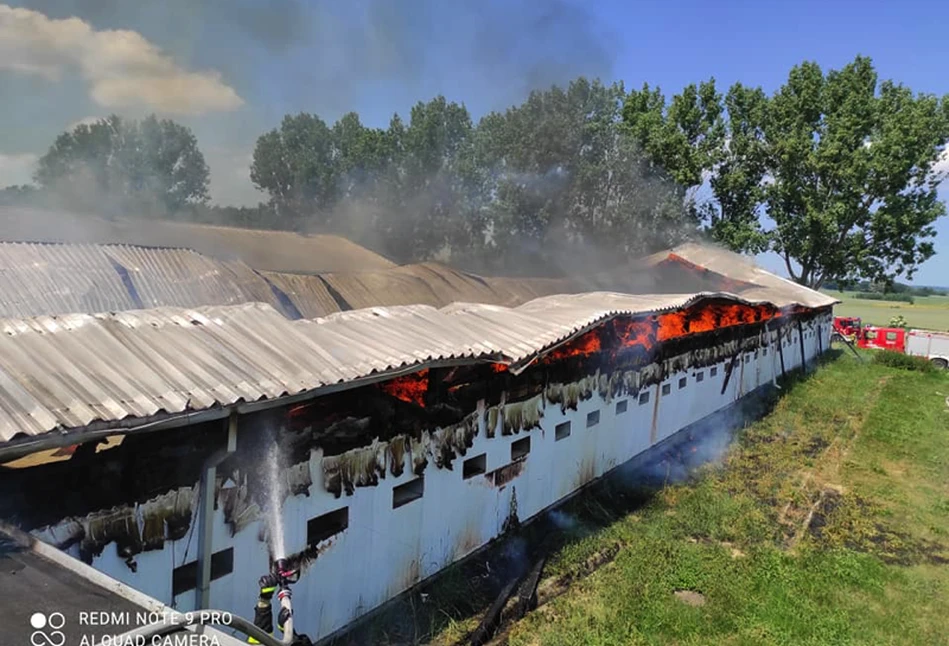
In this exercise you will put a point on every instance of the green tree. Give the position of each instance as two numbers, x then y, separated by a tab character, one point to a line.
567	179
430	187
297	165
362	157
836	173
153	164
685	137
400	189
853	190
695	141
554	171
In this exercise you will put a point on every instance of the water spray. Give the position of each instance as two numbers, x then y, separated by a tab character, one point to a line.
273	479
283	571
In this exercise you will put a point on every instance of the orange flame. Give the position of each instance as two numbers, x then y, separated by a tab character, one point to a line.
585	344
711	316
410	388
499	367
646	332
641	332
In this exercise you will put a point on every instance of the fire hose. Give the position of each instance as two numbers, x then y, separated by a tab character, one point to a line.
285	574
178	622
284	597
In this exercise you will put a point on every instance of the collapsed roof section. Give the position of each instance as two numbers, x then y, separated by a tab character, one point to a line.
419	284
49	278
69	372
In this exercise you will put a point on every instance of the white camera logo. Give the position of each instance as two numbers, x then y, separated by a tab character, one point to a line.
47	629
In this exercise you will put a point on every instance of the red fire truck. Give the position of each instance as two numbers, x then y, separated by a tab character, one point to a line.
921	343
845	327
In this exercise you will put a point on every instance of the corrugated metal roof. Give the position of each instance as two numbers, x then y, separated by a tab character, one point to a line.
780	291
58	279
514	291
437	285
307	293
261	249
51	278
70	371
46	279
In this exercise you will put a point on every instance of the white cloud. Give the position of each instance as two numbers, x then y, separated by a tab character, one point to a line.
122	68
16	168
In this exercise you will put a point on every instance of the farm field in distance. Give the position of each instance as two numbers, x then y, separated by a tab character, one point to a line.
928	312
826	523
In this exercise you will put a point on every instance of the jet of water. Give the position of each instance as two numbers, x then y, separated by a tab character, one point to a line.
274	517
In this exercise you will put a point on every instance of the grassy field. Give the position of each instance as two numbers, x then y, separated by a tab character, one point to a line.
929	312
827	523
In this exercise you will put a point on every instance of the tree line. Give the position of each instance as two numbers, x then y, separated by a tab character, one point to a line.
891	291
835	171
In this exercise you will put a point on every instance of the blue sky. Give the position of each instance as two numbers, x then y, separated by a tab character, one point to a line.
230	69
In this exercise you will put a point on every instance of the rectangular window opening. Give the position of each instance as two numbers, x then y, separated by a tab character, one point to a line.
185	578
561	431
644	398
322	527
406	493
683	381
520	448
621	406
474	466
666	389
713	372
700	377
593	418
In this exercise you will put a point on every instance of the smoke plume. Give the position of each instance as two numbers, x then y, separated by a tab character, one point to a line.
377	58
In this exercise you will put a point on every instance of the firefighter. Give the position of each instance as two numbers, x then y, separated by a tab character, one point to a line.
263	611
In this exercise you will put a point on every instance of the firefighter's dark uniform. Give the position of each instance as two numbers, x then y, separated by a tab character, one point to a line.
263	613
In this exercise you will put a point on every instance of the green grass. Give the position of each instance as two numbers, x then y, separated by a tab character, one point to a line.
928	312
828	523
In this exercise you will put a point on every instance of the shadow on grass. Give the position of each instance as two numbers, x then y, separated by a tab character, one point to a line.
452	601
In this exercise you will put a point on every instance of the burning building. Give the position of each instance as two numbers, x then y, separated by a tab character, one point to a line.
407	436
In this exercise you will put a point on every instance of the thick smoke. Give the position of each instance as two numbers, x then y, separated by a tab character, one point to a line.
489	54
552	238
276	25
492	51
496	51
